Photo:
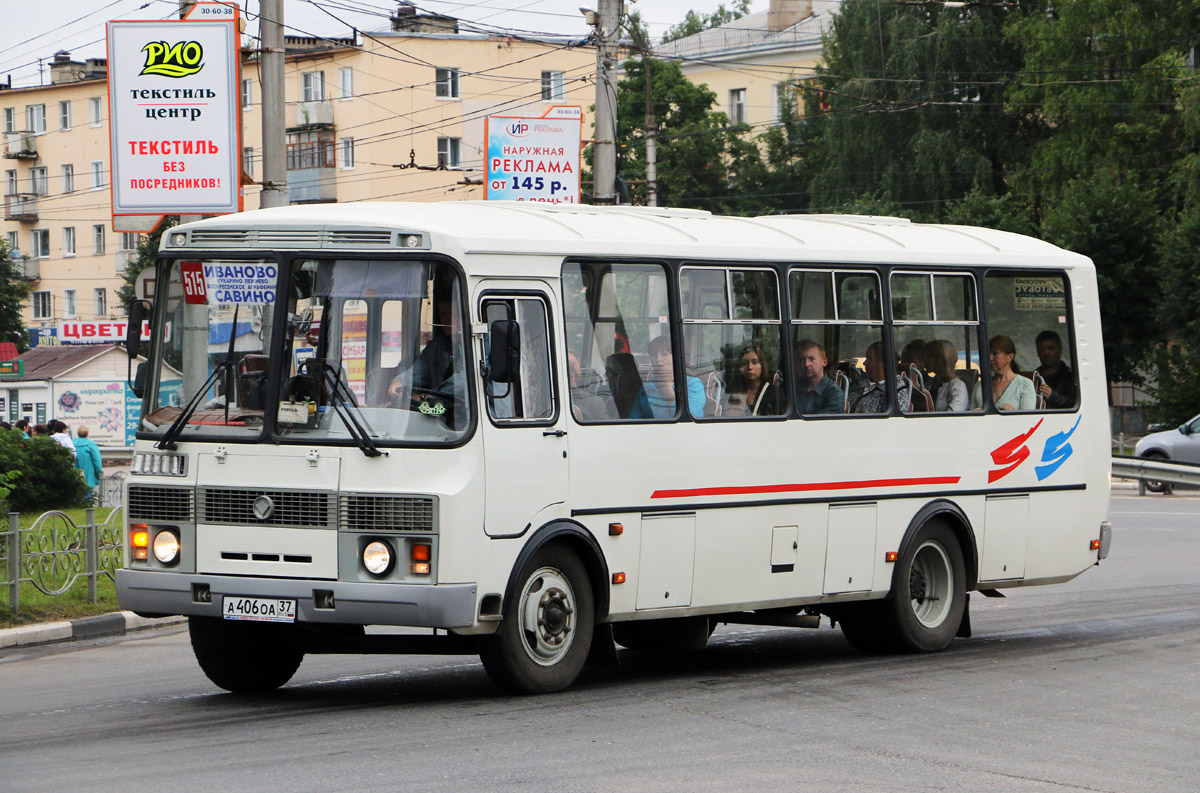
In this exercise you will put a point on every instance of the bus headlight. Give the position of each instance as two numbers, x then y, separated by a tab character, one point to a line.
166	547
377	557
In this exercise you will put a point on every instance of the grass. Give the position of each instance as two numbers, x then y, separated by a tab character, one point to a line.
72	604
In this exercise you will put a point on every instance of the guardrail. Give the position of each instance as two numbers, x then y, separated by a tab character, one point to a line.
1155	472
54	553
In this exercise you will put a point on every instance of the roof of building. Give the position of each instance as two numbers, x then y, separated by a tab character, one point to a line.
750	34
48	362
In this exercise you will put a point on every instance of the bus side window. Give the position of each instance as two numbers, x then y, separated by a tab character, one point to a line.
936	338
620	360
530	396
1029	331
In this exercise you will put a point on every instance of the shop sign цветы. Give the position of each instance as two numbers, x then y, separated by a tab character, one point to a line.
99	332
175	114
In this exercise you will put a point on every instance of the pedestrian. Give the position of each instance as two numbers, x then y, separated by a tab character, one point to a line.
41	431
23	426
87	459
60	435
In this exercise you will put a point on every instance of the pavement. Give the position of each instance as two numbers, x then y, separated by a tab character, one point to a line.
121	622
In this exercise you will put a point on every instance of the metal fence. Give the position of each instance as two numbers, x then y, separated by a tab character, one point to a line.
111	488
54	553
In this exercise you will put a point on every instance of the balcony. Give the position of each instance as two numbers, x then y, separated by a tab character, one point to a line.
20	145
28	266
313	115
312	185
124	259
21	207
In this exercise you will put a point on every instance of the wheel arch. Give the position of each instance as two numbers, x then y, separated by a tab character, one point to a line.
576	537
953	516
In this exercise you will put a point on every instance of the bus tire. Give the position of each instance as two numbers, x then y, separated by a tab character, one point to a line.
929	592
547	625
243	657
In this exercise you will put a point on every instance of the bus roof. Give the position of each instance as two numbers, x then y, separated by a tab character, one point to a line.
474	227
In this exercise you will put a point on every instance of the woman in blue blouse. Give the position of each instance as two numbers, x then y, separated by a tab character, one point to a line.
1010	390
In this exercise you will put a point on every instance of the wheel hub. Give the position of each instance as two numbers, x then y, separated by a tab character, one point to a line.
553	617
917	585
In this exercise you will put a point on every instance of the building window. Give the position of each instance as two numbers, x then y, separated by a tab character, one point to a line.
129	241
41	305
97	174
737	106
346	83
347	146
38	181
69	241
310	149
101	301
448	152
447	83
98	238
14	244
10	119
247	94
312	87
553	88
94	111
10	182
64	115
68	302
40	243
68	179
35	118
248	161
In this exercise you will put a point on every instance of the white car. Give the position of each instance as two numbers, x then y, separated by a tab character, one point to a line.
1180	445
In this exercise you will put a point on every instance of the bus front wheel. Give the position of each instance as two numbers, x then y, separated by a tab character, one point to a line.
243	657
546	631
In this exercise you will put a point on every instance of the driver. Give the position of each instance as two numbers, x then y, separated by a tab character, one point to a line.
440	369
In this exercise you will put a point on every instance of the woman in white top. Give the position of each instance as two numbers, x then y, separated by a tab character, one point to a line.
952	393
59	434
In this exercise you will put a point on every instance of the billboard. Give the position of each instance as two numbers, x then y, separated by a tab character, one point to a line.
174	114
534	159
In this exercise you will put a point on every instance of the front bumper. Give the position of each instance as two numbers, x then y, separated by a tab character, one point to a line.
414	605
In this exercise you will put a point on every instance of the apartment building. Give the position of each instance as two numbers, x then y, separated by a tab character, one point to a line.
751	62
395	115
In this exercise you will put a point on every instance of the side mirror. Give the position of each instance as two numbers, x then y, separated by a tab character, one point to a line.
504	355
138	386
138	311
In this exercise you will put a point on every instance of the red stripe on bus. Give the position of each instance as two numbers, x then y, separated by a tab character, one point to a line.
800	488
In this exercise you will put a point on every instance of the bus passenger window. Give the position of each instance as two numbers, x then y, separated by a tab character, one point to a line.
1030	343
837	358
936	335
620	356
732	341
530	396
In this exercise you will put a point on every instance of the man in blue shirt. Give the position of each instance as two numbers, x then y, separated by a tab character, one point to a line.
657	398
815	393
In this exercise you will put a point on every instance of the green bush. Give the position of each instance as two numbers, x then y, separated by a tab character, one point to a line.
49	478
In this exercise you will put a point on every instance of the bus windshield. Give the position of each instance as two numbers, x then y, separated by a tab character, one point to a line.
371	352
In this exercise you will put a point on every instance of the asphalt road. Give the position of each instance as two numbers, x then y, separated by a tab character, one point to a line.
1092	685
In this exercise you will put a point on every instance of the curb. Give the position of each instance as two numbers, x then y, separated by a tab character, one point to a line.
113	624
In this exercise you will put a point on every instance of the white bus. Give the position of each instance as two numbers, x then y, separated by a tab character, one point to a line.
534	430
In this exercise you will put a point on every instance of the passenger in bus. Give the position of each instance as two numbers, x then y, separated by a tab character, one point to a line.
1059	387
815	393
871	396
657	397
586	404
748	389
1010	389
952	394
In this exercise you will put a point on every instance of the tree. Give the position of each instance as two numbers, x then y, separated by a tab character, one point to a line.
48	479
14	291
695	23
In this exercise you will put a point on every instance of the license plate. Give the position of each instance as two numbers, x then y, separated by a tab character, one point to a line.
259	609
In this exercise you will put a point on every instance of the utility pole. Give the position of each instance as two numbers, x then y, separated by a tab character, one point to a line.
604	149
270	71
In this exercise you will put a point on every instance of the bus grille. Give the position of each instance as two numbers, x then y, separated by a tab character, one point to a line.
388	513
159	503
291	507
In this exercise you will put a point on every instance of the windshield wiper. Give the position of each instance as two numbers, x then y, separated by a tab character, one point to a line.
168	439
342	399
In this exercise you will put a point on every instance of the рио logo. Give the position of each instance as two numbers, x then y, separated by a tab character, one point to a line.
182	59
518	128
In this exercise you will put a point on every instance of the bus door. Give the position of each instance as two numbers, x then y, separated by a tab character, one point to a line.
524	425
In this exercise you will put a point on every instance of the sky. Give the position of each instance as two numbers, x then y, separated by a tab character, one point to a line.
78	25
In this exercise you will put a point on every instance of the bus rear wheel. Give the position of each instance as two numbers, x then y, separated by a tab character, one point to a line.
926	605
546	631
243	657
